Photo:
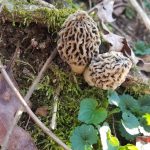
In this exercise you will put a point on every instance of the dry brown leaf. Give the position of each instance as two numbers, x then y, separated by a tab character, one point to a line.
119	7
114	40
9	105
21	140
42	111
105	10
119	44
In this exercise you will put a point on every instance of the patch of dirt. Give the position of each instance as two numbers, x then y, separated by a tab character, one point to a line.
35	44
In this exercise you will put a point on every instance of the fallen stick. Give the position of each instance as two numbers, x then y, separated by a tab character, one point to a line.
142	13
27	97
55	105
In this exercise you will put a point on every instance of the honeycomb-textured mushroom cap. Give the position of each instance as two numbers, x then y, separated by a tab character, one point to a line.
108	70
79	40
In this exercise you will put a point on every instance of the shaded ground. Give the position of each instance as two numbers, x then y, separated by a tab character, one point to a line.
133	28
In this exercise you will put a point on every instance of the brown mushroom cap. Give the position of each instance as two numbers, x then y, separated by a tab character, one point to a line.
79	41
108	70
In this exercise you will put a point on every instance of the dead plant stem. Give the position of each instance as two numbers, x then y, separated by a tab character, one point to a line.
142	13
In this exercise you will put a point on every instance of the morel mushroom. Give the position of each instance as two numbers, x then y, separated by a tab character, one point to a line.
79	41
108	70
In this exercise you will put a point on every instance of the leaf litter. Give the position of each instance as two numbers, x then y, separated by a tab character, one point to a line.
9	104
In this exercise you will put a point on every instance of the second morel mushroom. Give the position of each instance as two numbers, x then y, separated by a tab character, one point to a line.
108	70
79	41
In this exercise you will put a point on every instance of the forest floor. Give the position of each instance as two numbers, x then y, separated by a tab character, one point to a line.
36	44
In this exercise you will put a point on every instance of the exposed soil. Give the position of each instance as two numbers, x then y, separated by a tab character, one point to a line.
35	44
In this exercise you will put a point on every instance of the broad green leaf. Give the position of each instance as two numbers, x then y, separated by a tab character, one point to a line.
113	98
147	4
145	130
147	118
90	114
129	103
142	48
128	147
144	100
109	142
125	134
144	109
83	137
145	124
130	123
112	142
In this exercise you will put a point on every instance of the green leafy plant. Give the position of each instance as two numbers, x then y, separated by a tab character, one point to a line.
128	147
147	4
135	114
110	142
92	116
130	12
90	113
141	48
146	117
83	137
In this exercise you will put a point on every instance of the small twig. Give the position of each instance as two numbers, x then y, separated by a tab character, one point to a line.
46	4
15	57
56	97
142	13
27	123
27	97
113	125
1	7
75	79
93	9
90	4
29	111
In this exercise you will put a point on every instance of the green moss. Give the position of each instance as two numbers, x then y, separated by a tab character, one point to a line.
68	106
137	90
74	89
27	13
